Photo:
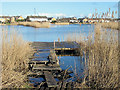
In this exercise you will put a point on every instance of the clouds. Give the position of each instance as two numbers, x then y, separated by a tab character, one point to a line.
52	15
47	14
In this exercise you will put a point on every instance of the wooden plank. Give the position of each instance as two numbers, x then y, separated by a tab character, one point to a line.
37	62
47	68
66	48
51	82
50	45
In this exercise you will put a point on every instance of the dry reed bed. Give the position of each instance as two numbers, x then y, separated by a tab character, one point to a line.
15	54
35	24
101	59
111	25
102	64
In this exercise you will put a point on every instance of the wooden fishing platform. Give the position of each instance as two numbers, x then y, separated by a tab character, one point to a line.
61	48
45	58
55	45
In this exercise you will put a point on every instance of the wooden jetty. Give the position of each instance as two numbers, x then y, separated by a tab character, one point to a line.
45	59
61	48
54	45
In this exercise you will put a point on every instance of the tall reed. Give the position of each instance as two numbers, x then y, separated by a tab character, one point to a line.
111	25
102	60
15	54
100	52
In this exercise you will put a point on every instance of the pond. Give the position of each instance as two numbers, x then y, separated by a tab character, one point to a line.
50	34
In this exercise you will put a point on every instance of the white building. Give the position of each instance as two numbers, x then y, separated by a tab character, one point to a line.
73	21
4	18
93	20
37	18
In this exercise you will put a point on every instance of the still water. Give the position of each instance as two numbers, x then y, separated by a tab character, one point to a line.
50	34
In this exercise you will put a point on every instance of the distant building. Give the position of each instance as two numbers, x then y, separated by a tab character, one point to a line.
93	20
52	19
37	18
105	20
12	19
85	20
20	18
80	20
116	20
101	20
4	18
70	20
63	19
73	20
16	17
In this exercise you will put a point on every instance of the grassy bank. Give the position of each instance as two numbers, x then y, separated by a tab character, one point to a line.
101	59
15	54
111	25
35	24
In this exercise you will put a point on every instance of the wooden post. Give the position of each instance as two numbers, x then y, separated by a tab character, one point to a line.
57	62
54	44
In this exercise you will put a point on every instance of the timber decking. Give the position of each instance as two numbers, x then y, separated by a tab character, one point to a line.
50	45
47	68
45	60
38	62
51	82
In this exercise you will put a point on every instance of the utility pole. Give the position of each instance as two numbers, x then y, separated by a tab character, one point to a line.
34	11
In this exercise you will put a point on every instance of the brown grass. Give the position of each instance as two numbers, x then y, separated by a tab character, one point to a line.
15	54
111	25
101	59
102	64
35	24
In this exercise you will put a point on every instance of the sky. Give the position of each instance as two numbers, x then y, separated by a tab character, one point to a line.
56	9
59	0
